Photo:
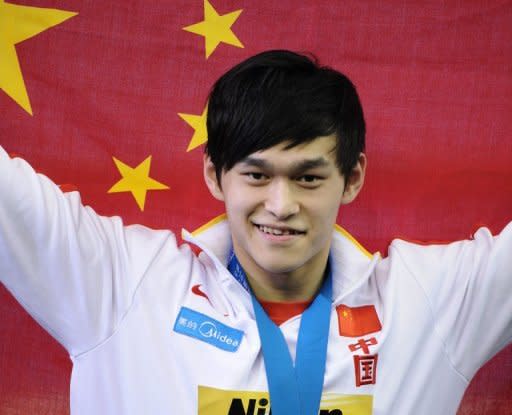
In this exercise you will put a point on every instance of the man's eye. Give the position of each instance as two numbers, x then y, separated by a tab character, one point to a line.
309	179
255	176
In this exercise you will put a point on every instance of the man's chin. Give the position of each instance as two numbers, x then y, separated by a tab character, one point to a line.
279	268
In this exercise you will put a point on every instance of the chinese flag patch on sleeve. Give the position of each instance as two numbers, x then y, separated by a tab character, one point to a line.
357	321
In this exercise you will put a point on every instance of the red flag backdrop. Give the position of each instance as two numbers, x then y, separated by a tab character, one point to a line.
125	80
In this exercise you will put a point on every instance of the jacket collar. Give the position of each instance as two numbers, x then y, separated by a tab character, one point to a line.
351	263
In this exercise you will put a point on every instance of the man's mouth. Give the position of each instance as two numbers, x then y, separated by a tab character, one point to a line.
278	231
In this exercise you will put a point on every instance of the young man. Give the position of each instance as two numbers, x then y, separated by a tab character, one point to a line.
282	311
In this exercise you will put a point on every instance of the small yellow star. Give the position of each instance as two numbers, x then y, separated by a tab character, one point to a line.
216	28
136	180
17	24
198	123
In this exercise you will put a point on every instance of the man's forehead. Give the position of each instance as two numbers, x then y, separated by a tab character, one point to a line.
294	164
317	152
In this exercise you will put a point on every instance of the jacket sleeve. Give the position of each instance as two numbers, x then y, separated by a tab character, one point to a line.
469	287
74	271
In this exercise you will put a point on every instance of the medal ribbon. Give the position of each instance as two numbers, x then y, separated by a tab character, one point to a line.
294	390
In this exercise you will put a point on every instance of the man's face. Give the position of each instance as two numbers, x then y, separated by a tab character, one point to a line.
282	204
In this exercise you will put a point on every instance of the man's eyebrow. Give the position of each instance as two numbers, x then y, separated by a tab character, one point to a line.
255	162
308	164
295	168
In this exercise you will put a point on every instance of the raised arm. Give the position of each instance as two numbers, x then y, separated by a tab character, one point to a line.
74	271
469	287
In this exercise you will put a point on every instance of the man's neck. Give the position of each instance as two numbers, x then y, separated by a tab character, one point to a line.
288	287
301	284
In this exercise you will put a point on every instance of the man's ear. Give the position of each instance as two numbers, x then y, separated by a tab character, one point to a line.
354	183
210	178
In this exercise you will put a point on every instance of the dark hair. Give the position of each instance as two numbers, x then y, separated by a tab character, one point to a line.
279	96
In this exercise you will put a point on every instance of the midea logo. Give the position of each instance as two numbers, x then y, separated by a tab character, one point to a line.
209	330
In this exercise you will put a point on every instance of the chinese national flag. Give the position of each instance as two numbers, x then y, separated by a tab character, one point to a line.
109	97
357	321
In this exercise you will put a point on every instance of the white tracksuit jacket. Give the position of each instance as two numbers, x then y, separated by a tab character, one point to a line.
154	330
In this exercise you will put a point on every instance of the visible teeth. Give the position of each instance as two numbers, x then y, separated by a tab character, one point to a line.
275	231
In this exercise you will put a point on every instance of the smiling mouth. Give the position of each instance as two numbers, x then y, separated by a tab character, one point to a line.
278	231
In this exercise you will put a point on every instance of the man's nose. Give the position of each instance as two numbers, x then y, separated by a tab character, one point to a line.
281	199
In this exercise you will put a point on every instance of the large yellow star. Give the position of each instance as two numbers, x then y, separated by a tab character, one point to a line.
198	123
136	180
216	28
18	23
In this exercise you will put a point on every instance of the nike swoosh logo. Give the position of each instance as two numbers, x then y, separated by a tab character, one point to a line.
197	291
